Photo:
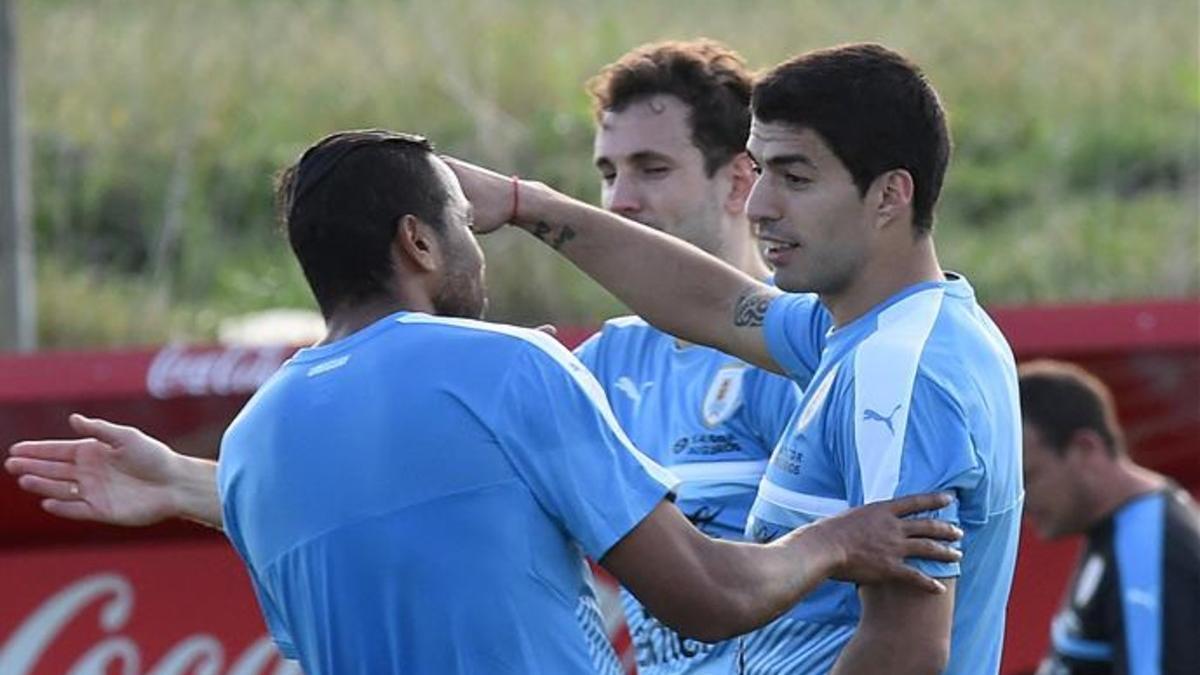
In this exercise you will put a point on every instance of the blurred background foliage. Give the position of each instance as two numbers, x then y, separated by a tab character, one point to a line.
155	128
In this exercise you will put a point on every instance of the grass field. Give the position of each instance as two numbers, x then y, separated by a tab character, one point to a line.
155	128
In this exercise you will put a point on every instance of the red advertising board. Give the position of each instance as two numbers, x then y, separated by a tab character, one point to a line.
167	607
83	598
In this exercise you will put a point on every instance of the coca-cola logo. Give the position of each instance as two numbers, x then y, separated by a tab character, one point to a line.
198	654
179	371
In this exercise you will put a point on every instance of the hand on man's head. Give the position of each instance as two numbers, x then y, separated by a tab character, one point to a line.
493	196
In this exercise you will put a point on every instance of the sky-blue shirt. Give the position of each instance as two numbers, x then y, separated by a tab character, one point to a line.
917	395
712	420
418	497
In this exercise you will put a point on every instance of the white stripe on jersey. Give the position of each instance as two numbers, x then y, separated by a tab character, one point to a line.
582	376
750	471
800	502
626	321
885	369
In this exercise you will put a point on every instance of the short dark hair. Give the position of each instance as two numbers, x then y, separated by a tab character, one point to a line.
340	204
873	107
1060	398
707	76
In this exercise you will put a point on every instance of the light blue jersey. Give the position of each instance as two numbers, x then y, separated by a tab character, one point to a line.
918	395
712	420
418	497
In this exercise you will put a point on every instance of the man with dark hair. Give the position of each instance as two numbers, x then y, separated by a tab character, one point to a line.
672	120
343	245
914	389
414	493
1134	602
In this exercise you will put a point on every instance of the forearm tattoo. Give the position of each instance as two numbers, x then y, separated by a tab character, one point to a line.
555	236
751	307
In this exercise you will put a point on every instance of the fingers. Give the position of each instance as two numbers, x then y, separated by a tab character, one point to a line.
909	576
465	169
931	550
113	434
61	451
73	510
917	503
19	466
64	490
493	197
931	529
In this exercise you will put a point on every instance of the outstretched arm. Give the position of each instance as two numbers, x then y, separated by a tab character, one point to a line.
711	590
672	284
116	475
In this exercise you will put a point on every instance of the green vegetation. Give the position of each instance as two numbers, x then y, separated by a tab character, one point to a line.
155	129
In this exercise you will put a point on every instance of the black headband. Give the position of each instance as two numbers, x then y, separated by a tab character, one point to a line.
318	160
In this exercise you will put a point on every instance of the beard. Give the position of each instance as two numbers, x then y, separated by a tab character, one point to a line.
462	295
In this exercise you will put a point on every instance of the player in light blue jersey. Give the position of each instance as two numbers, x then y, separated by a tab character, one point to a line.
671	126
416	493
913	395
913	389
473	413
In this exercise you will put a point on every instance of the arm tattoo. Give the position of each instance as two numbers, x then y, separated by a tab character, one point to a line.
548	234
751	307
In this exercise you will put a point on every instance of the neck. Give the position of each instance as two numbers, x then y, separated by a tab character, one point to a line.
882	277
1117	486
348	319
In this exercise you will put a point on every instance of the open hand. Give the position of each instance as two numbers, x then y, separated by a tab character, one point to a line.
118	475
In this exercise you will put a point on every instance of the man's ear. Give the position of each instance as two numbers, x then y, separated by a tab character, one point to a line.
415	244
894	193
741	181
1087	447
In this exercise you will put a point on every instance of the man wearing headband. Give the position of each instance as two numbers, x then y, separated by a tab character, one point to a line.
416	492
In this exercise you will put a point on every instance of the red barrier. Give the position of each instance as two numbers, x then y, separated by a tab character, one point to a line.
162	607
173	598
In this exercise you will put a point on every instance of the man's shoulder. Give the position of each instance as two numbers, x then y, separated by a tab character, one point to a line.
498	336
627	328
941	345
624	340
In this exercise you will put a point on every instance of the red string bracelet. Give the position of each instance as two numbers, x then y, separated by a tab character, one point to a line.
516	198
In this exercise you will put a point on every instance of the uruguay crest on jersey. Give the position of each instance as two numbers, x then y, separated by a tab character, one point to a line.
724	394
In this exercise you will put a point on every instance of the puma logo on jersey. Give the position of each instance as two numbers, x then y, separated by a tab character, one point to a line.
633	391
873	416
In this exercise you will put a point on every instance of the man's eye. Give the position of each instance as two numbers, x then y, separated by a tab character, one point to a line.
608	176
756	169
793	179
656	170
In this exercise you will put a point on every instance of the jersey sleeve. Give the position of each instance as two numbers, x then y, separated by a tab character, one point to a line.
794	329
559	433
896	446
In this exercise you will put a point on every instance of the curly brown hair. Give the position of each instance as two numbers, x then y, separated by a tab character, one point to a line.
709	77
